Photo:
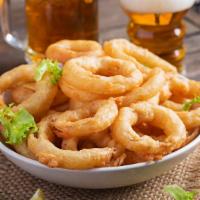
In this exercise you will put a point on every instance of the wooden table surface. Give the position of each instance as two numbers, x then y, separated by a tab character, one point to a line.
113	24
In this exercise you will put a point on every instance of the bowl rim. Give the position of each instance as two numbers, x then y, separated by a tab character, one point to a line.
7	151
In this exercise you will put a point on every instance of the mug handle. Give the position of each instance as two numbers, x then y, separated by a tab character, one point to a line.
6	28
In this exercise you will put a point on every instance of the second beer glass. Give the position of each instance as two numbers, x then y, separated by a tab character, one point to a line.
157	25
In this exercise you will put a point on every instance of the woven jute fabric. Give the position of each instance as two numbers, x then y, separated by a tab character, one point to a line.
15	184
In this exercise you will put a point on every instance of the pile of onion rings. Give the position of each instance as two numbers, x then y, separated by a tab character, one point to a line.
113	105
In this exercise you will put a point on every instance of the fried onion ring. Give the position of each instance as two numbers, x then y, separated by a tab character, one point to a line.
157	116
67	49
111	50
191	119
104	139
78	94
20	74
150	88
79	123
39	102
23	92
47	153
23	150
165	93
173	105
122	48
104	76
183	87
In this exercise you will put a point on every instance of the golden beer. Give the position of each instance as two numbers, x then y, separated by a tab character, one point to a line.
51	20
158	26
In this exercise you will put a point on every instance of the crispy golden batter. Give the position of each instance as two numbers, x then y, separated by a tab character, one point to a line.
121	48
39	102
104	76
158	116
47	153
148	89
111	106
68	49
92	118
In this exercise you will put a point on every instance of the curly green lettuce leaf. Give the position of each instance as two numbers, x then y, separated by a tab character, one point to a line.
39	195
188	104
179	193
52	67
15	126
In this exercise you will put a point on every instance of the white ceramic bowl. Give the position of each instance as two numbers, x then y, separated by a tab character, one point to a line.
108	177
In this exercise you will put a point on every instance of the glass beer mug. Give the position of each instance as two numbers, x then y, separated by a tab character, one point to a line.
49	21
157	25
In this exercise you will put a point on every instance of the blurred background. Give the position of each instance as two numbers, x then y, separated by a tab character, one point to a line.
112	24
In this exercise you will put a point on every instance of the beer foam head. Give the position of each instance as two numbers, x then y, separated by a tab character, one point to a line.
156	6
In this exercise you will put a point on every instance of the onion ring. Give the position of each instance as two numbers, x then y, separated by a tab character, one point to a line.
156	115
23	92
122	48
191	119
103	139
183	87
90	74
116	52
47	153
194	89
173	105
79	123
20	74
78	94
165	93
39	103
23	150
150	88
67	49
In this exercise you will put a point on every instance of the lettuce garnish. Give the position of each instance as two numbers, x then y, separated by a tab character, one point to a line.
52	67
188	104
15	126
179	193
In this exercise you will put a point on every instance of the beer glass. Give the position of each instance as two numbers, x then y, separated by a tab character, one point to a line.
49	21
158	26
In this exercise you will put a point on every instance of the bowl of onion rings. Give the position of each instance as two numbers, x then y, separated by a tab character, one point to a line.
94	116
101	178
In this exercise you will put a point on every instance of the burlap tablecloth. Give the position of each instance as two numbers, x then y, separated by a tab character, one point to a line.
16	184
